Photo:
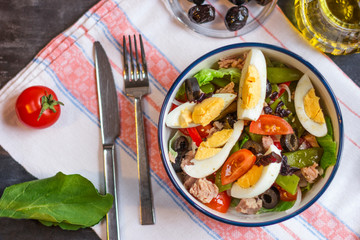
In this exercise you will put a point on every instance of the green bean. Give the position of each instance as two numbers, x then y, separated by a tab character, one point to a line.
219	184
304	158
288	183
208	88
255	137
220	82
282	74
230	109
235	148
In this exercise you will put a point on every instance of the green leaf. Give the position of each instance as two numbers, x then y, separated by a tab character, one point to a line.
329	157
69	201
280	207
205	76
178	134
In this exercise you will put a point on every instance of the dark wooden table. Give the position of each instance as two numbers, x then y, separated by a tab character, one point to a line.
26	26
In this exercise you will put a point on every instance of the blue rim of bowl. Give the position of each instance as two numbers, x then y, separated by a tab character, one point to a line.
247	45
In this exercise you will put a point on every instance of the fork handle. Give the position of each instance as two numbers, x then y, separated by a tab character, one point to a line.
147	215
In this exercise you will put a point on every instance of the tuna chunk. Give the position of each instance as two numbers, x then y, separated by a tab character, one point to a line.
310	173
204	190
187	159
249	205
311	139
227	89
217	126
232	62
267	141
189	181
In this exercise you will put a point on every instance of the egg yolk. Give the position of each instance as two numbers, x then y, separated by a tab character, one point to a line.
204	152
250	177
312	107
185	118
251	90
218	139
207	110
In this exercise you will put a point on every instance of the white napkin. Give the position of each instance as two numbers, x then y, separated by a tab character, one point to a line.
73	144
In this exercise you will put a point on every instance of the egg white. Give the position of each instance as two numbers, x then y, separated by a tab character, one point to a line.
302	88
203	168
172	119
257	59
267	178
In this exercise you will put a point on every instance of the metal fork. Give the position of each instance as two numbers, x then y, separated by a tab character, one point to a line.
137	85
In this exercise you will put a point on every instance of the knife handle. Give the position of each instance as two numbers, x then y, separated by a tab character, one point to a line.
112	218
147	215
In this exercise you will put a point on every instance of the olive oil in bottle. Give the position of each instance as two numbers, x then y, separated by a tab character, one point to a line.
333	26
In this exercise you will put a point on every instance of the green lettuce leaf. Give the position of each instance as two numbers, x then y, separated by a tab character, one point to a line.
206	75
178	134
329	156
281	206
68	201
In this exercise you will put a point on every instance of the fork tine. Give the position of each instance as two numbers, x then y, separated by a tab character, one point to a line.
143	59
126	65
132	77
136	60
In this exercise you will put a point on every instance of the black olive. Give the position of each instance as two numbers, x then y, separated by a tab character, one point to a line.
201	13
236	17
177	164
270	198
239	2
181	145
263	2
289	142
254	147
268	88
192	89
197	2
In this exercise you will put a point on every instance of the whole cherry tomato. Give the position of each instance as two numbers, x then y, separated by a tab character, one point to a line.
38	107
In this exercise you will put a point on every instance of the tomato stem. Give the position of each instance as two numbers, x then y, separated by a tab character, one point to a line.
48	102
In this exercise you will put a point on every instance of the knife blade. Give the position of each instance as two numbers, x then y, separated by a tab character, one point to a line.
110	128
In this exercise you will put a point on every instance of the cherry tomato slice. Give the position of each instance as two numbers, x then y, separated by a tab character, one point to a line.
270	125
284	195
237	165
204	130
195	136
220	203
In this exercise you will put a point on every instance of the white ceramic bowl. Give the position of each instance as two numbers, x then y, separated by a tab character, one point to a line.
328	102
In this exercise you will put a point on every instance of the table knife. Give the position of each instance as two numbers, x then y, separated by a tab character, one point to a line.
110	128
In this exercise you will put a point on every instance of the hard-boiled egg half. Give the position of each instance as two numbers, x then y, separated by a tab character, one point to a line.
308	109
206	166
252	86
261	178
191	114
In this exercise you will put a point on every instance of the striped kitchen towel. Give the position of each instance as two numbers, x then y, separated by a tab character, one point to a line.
73	144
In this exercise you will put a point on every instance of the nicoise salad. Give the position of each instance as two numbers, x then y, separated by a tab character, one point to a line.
249	134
